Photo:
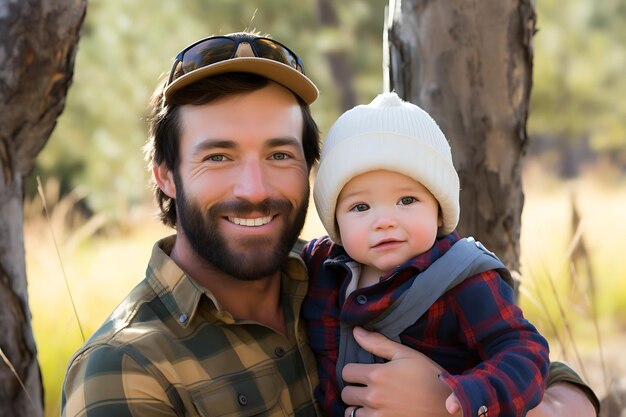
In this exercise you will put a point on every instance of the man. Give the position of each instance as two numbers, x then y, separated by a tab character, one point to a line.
214	328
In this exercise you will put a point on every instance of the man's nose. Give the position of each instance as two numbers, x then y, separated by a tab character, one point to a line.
251	182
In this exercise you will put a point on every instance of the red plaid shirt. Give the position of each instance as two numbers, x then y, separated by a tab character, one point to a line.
492	356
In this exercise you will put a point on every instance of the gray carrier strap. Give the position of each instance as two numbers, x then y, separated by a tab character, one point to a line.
464	259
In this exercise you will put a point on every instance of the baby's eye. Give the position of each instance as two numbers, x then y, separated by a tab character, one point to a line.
405	201
360	207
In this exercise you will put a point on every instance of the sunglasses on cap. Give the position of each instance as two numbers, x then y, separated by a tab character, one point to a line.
221	48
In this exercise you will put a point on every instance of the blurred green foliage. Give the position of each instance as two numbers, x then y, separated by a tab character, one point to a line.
579	82
580	53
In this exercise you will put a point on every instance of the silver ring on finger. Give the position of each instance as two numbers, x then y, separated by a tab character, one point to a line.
353	412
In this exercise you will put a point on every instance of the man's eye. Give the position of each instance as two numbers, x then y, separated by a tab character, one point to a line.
360	207
215	158
405	201
280	156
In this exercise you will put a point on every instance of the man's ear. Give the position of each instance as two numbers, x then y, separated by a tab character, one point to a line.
164	178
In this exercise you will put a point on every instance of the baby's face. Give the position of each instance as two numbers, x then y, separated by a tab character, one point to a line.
385	219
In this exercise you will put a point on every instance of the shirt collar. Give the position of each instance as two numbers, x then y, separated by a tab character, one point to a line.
177	291
441	246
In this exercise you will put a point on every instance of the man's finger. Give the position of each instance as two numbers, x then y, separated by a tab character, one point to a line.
355	412
358	373
382	347
354	395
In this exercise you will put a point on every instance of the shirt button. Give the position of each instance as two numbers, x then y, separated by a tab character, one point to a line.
483	412
243	400
279	352
183	318
361	299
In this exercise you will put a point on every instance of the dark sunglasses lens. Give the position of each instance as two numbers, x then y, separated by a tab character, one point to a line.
208	52
266	48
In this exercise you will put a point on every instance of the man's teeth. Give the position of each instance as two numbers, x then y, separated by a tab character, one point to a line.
259	221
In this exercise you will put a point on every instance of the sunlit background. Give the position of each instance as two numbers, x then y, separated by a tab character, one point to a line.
101	222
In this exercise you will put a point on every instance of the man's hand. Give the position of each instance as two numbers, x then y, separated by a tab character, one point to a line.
563	399
407	385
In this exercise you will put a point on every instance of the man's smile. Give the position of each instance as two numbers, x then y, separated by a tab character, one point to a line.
255	222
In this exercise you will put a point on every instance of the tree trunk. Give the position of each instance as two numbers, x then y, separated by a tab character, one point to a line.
469	64
38	42
337	56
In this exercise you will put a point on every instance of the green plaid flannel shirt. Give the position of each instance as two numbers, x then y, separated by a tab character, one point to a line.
169	350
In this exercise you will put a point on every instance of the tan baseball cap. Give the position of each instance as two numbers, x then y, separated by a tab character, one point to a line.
245	60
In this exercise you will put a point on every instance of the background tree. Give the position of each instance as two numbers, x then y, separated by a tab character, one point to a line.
469	64
37	48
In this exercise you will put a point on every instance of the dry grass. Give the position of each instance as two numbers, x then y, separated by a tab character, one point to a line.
98	266
573	271
584	317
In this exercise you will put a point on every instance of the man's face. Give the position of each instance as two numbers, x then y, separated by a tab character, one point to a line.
242	183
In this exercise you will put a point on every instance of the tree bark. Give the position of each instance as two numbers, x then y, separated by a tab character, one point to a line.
38	42
469	64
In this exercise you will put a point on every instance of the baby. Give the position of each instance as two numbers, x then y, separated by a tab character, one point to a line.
388	195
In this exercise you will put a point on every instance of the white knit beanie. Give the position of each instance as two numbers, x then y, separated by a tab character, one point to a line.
387	134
